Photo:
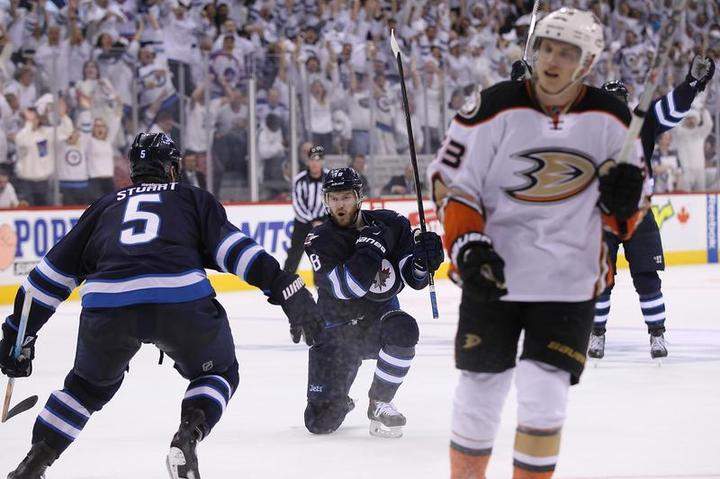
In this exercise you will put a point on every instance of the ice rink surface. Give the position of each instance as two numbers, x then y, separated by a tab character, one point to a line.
628	418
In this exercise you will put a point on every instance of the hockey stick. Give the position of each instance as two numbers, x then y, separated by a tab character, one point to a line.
25	404
531	29
413	159
653	78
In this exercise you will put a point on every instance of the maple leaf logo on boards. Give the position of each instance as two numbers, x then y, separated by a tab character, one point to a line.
683	216
381	278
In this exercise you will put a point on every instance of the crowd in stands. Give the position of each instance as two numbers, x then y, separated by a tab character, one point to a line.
79	78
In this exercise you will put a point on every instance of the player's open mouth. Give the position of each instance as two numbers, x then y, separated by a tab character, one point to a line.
551	75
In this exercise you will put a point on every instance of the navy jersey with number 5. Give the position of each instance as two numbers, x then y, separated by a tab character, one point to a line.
353	284
148	243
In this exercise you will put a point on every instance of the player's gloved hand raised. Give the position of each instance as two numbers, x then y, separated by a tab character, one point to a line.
427	251
620	189
701	72
21	366
481	269
520	71
289	291
376	237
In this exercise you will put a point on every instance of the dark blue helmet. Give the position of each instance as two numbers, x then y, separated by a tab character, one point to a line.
340	179
617	89
152	158
317	150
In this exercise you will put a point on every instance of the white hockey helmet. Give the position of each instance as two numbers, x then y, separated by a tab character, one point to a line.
576	27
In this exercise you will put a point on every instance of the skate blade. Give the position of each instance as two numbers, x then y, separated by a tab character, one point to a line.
378	429
175	462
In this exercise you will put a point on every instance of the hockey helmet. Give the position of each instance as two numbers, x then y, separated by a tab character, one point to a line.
617	89
342	179
576	27
317	150
152	156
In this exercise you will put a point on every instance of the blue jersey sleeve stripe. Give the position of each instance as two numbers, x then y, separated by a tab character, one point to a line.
224	248
336	286
42	295
660	115
245	259
353	285
54	274
53	283
671	107
47	286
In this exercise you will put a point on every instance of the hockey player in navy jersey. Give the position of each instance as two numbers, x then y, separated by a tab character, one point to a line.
361	261
141	254
644	250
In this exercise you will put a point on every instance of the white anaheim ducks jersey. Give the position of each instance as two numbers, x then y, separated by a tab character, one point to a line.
535	180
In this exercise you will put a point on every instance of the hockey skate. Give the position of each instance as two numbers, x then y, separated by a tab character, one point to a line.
182	460
40	457
597	346
658	345
385	420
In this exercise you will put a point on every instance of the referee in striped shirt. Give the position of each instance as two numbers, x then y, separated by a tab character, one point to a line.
307	199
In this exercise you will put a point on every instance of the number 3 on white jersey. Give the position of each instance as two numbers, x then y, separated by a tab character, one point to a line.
151	221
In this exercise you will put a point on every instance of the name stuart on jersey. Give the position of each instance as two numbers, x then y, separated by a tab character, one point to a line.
145	188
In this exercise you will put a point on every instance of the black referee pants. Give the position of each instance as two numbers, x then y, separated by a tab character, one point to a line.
297	245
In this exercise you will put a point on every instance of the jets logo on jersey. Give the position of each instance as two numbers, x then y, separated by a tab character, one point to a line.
385	278
556	174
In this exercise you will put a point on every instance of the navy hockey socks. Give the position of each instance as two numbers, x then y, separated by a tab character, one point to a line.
653	310
602	311
211	394
61	421
392	365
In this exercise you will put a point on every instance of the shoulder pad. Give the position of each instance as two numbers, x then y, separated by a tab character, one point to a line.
484	104
595	99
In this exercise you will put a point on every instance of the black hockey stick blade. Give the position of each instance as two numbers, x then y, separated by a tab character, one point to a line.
21	407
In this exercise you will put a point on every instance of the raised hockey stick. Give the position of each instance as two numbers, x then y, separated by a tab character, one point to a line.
413	159
653	78
25	404
531	29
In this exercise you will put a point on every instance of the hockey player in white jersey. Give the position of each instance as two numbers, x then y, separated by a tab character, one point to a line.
529	179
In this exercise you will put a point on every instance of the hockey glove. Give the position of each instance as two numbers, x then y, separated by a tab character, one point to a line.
427	251
289	291
377	238
481	268
9	365
521	71
620	190
701	72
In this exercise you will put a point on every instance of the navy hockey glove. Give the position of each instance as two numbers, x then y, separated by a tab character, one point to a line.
377	238
481	268
521	71
701	72
289	291
22	366
620	190
427	248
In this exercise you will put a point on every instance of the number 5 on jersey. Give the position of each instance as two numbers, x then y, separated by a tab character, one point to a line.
148	231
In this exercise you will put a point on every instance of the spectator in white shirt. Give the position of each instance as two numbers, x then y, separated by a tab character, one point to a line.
271	150
689	138
24	87
101	160
8	197
36	154
73	170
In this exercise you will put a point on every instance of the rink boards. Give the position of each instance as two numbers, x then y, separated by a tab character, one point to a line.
688	225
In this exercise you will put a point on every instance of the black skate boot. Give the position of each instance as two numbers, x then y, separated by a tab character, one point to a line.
658	345
40	457
385	420
182	460
597	345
